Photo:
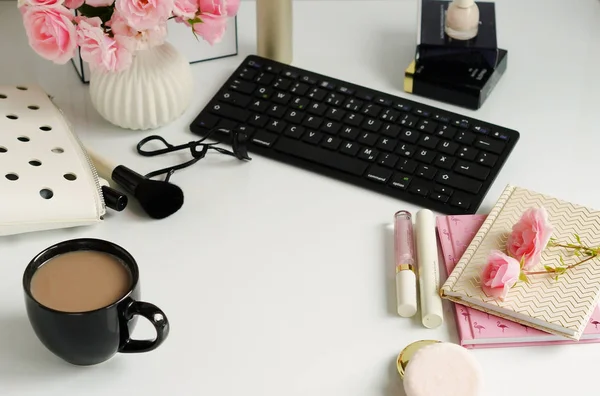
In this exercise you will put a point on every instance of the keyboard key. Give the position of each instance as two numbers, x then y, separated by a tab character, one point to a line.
461	123
444	162
353	119
282	98
448	147
335	114
254	64
276	111
460	182
409	136
294	116
387	144
428	141
406	150
350	148
465	137
331	127
441	118
481	129
408	120
321	156
249	131
227	111
422	112
419	190
487	159
372	125
335	99
387	160
406	165
383	101
492	145
276	126
402	106
242	86
226	124
206	121
264	138
468	153
299	89
264	92
327	85
364	95
273	69
443	190
312	137
500	135
427	126
235	98
368	154
294	131
258	120
367	138
379	174
446	131
472	170
308	79
291	74
312	122
389	115
353	104
247	74
401	181
331	142
460	201
350	133
426	156
391	130
317	94
265	78
299	103
371	110
282	84
439	197
346	90
426	172
259	106
317	108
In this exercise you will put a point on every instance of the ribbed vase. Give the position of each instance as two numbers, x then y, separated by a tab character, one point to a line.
154	91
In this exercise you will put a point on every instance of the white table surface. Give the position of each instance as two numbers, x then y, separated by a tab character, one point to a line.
278	281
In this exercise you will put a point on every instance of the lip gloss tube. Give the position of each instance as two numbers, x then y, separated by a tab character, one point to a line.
404	256
432	314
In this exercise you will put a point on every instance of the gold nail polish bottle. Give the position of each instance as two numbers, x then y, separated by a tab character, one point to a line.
274	30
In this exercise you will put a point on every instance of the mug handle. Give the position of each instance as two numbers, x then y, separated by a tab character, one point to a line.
158	320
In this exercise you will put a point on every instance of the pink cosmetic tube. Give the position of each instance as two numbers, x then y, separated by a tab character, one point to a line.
404	256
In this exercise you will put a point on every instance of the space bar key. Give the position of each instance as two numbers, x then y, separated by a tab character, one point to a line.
321	156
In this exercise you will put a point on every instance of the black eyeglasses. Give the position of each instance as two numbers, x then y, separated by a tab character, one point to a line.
198	149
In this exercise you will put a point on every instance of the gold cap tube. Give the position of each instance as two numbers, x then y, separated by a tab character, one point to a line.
274	30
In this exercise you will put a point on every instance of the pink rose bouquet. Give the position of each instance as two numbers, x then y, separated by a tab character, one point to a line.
109	32
524	246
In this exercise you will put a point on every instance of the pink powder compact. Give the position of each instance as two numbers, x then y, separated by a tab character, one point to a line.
434	368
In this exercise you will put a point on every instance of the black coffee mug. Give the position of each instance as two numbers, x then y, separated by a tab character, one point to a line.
93	337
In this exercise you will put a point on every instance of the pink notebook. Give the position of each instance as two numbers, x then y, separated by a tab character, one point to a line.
477	329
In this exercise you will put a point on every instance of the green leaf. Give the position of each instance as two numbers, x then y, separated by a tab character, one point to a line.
577	253
522	262
561	260
195	20
556	278
523	277
578	239
560	270
549	269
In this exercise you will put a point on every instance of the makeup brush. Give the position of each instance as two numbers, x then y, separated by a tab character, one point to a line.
159	199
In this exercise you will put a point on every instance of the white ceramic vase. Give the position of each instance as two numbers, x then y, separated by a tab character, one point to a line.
154	91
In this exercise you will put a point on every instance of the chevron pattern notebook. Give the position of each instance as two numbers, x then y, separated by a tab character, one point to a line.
477	329
562	307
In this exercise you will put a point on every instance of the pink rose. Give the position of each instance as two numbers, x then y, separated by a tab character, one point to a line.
133	39
499	274
529	237
100	50
73	4
99	3
51	32
145	14
40	3
185	9
214	15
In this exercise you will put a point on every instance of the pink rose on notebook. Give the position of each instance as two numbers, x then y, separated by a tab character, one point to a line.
529	237
499	275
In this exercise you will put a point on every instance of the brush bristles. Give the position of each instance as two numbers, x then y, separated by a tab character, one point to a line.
159	199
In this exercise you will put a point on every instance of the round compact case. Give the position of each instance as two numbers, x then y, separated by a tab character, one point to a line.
434	368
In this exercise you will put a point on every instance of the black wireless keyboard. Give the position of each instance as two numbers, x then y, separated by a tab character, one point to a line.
417	153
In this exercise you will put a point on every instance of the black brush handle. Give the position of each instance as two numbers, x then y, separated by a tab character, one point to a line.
114	199
128	179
